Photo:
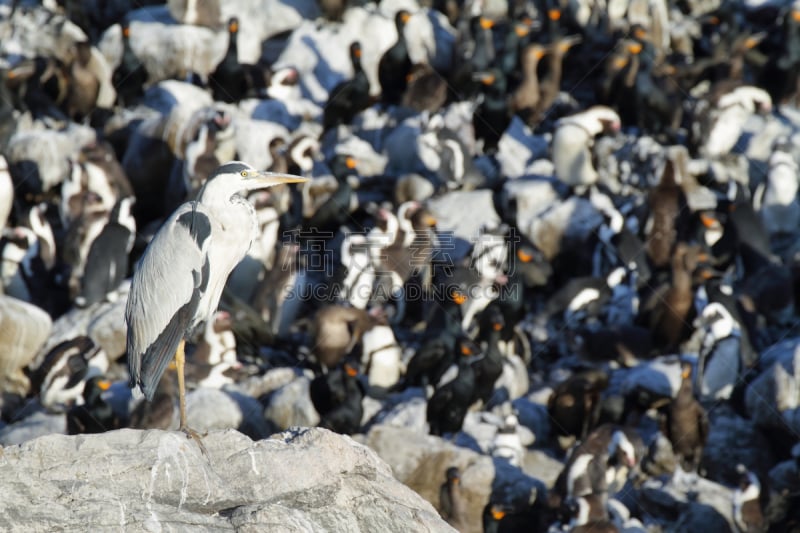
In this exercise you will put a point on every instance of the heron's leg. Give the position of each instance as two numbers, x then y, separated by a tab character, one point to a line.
180	360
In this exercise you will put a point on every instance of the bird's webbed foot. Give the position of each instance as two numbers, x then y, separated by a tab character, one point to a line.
192	434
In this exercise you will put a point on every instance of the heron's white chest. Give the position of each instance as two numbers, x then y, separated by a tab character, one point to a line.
234	227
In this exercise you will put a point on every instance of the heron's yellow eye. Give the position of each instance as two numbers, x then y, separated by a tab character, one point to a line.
244	173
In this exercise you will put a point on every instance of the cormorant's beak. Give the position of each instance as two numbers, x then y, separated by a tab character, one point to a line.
23	71
634	48
753	41
498	514
104	385
268	179
709	221
486	78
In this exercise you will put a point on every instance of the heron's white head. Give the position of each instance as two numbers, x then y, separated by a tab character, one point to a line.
234	177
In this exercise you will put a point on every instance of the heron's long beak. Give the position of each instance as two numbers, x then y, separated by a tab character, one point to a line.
268	179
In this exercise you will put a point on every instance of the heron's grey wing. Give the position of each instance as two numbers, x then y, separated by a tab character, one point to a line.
165	293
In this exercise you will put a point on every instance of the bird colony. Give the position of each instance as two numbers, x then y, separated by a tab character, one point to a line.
545	262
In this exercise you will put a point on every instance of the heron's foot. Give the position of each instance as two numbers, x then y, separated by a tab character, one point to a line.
192	434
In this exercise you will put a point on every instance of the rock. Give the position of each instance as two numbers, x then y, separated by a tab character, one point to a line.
689	502
733	440
533	416
288	112
530	197
38	31
478	430
518	148
261	20
253	138
698	517
322	481
661	377
370	162
413	187
567	223
420	461
291	405
272	380
103	322
775	390
781	352
38	424
210	409
441	50
209	13
166	49
319	53
37	159
455	214
166	95
539	465
408	148
24	329
660	458
404	410
784	476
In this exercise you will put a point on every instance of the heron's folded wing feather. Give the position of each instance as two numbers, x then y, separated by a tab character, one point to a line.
165	293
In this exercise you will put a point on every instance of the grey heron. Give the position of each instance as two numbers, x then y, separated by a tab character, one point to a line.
181	275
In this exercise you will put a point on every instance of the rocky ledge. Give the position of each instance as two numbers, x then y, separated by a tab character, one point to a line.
299	480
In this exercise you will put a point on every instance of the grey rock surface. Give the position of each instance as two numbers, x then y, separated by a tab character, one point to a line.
303	480
103	322
271	381
733	440
688	501
420	461
24	329
566	223
39	424
47	148
775	390
291	405
211	409
455	212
